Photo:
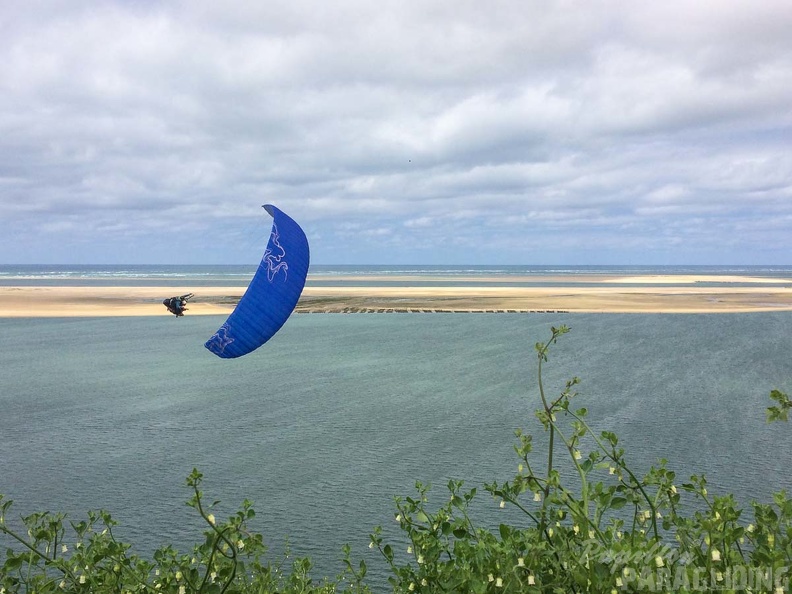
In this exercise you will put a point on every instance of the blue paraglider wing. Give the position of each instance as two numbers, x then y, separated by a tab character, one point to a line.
272	294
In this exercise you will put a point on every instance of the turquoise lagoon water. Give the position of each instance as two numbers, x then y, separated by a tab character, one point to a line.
322	426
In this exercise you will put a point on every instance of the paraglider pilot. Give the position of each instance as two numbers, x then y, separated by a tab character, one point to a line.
177	305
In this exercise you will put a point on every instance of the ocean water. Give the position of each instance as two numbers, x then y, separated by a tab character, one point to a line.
337	414
230	275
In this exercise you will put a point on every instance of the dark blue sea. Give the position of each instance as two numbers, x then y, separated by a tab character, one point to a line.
337	414
229	275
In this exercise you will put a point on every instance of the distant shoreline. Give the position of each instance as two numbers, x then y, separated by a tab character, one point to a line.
547	294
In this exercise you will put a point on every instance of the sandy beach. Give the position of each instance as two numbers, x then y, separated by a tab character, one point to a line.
591	294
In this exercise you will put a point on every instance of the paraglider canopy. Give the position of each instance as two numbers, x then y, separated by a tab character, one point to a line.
272	294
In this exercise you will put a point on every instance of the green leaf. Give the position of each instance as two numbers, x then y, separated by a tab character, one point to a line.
505	531
780	412
13	563
618	502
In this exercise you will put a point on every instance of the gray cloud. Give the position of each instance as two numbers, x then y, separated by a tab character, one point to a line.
423	132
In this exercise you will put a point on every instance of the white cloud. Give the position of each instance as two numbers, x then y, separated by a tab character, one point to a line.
609	123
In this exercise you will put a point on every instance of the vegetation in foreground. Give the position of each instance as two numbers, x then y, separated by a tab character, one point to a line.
600	529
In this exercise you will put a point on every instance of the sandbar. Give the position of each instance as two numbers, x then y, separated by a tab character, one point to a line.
591	294
649	279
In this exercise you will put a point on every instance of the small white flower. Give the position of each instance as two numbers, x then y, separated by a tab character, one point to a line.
537	496
499	583
211	519
420	559
618	582
611	470
531	580
213	575
519	468
771	539
424	582
371	545
240	544
411	587
749	528
576	528
704	492
490	577
578	455
659	561
82	579
718	576
520	562
550	532
178	575
715	555
62	586
502	504
398	517
182	590
409	549
64	549
591	534
673	489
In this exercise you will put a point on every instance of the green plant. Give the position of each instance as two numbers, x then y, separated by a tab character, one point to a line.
591	523
56	556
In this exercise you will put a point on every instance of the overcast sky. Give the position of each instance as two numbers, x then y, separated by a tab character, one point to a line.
397	132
